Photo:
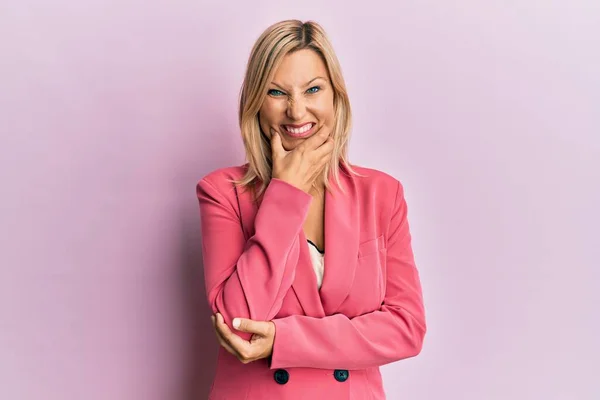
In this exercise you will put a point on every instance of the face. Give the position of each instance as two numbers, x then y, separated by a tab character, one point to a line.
299	100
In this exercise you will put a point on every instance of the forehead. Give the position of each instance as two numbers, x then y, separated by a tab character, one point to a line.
300	67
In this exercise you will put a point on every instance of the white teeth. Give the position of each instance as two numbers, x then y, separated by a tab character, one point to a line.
299	131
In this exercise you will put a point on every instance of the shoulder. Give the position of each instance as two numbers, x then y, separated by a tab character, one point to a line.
377	181
380	193
221	179
224	174
374	176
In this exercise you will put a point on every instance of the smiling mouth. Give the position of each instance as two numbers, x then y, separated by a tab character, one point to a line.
299	131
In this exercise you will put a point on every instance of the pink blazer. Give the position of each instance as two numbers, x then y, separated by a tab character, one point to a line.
329	343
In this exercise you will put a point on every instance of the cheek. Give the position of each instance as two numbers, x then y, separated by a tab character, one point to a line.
324	109
270	112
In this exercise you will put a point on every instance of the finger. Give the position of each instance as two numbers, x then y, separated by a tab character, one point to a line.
218	334
251	326
241	346
319	159
325	150
224	343
276	145
316	140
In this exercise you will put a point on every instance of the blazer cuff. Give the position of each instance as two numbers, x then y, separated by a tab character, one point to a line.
279	357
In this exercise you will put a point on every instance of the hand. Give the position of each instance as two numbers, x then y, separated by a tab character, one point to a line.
260	344
300	166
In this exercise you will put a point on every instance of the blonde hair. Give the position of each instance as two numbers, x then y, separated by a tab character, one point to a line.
277	41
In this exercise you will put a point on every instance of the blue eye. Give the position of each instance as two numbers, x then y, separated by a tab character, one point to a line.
314	87
275	92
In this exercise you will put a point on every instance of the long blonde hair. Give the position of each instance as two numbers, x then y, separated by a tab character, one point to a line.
272	46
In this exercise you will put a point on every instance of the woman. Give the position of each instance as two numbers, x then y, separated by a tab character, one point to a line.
307	259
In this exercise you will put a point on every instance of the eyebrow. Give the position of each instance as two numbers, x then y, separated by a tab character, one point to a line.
306	84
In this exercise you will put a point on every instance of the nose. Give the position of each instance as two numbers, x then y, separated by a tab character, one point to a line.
296	109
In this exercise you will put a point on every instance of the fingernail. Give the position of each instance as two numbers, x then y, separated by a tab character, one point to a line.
236	323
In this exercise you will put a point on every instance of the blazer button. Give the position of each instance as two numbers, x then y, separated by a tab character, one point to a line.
281	376
341	375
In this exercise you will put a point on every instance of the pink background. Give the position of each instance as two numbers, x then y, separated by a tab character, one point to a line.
110	111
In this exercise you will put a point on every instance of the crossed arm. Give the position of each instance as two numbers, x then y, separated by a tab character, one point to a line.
248	279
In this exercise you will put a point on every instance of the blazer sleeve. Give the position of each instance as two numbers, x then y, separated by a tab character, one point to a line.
249	278
394	332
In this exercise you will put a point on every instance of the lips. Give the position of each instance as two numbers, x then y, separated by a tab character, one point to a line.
299	130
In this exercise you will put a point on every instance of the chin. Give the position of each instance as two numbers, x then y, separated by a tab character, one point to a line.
289	146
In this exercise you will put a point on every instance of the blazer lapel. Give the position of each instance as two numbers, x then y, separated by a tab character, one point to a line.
305	280
341	248
341	243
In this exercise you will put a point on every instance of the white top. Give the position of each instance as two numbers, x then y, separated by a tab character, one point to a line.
317	258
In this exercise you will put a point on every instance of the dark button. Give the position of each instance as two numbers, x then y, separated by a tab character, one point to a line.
281	376
341	375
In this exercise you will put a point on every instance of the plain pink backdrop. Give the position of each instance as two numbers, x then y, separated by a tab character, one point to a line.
110	111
